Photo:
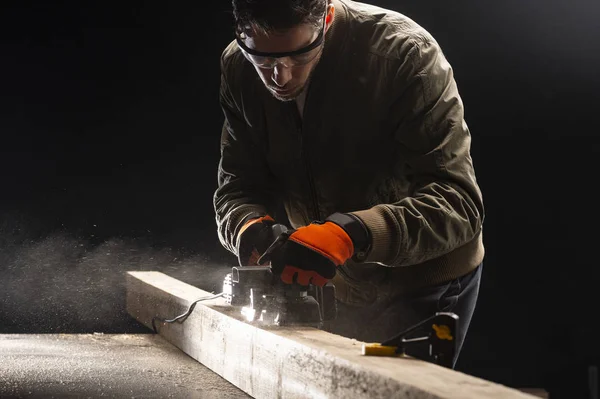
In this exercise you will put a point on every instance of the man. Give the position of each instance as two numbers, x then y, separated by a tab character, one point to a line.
349	116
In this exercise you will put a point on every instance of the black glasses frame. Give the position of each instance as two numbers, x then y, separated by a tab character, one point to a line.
316	43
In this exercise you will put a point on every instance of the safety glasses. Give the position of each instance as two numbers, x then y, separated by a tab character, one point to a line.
298	57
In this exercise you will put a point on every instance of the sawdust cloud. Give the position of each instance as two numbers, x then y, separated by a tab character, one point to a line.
65	282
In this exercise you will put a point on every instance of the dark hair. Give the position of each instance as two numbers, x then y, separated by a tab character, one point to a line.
277	15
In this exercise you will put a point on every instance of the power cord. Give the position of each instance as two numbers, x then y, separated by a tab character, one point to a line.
184	316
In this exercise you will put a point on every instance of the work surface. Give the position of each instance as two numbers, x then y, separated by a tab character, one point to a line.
102	365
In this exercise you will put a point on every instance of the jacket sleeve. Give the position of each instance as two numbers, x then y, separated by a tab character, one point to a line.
445	209
243	174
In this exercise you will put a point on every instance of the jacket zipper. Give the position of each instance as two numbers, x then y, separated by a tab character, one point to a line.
304	153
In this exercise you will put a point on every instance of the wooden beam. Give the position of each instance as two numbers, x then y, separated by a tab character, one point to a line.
290	362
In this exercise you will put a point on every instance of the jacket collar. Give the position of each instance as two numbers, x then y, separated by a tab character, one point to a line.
336	34
334	42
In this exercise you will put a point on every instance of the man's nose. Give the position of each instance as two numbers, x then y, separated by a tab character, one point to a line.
281	75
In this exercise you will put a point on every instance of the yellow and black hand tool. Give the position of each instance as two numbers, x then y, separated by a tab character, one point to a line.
442	329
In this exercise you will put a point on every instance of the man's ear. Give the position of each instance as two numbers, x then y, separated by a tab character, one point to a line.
330	15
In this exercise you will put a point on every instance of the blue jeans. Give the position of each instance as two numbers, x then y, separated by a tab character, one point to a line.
383	320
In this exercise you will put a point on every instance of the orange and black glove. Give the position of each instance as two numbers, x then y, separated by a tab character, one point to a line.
311	254
255	236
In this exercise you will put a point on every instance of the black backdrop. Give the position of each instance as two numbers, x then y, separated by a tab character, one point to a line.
109	124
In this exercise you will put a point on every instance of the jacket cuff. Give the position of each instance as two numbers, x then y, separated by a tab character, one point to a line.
240	216
384	231
355	229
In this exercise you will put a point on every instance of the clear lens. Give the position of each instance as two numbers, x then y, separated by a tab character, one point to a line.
290	61
271	60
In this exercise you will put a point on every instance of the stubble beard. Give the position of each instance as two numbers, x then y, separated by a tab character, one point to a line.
294	95
289	97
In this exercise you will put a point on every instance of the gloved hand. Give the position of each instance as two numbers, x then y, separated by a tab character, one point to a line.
255	236
311	254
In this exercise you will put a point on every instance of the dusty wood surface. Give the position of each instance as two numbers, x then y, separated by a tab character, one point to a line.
285	362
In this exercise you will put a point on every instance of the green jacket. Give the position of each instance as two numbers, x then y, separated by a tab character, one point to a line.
382	136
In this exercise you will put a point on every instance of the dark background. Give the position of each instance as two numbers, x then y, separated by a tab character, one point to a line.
110	127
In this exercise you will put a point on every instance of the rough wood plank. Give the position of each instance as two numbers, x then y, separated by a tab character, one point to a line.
286	362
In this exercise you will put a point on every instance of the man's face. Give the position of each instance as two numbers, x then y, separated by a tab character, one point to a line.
285	82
